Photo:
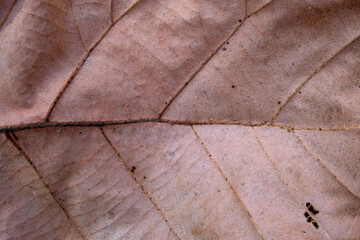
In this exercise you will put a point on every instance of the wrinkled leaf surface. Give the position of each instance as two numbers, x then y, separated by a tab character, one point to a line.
150	119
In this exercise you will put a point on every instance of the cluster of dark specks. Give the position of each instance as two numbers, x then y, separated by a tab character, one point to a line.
308	217
312	209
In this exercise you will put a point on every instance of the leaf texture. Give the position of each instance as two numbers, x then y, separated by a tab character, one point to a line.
28	209
266	61
149	119
155	48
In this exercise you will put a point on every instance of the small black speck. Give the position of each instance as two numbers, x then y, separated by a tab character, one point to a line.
240	20
224	49
144	177
279	102
308	204
31	163
315	225
227	43
306	214
309	219
80	132
293	64
311	208
233	86
300	92
320	129
165	102
133	168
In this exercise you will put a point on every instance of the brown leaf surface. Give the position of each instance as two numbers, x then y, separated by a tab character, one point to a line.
149	119
28	210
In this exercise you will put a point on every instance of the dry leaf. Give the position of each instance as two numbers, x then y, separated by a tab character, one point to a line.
149	119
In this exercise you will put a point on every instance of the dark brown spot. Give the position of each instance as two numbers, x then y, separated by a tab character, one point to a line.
233	86
240	20
311	208
315	225
309	219
306	214
224	49
133	168
279	102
